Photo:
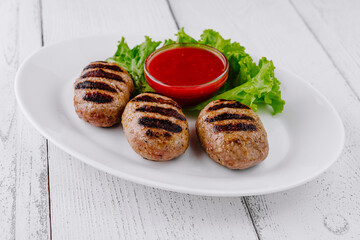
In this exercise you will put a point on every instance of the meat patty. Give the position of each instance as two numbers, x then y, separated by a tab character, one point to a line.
155	127
232	134
101	93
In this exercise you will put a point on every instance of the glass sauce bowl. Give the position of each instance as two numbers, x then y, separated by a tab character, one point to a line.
186	94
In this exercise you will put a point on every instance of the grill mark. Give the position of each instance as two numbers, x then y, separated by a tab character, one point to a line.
162	111
103	66
160	124
156	93
147	98
98	97
94	85
102	74
227	116
235	127
228	105
150	133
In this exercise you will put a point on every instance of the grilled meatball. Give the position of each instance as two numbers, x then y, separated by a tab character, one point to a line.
232	134
101	93
155	127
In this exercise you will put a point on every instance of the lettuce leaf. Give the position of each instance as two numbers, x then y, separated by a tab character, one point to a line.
248	82
133	61
261	87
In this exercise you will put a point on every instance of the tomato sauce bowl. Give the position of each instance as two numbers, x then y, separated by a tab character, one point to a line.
189	73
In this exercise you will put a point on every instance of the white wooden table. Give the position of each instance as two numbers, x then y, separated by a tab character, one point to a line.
47	194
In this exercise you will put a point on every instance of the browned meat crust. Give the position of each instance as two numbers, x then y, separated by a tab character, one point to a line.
155	127
101	93
232	134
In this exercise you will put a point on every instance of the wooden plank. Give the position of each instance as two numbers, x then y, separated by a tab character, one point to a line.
23	168
328	207
335	25
84	18
90	204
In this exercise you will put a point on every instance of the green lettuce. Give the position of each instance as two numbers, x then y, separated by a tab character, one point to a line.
133	61
261	88
248	82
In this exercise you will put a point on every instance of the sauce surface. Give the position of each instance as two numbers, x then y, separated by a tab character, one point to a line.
186	66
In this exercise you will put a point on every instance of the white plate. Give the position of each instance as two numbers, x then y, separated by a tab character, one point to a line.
304	140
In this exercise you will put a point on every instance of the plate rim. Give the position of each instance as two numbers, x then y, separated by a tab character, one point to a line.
168	186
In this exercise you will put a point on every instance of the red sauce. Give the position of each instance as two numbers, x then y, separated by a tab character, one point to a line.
186	66
186	74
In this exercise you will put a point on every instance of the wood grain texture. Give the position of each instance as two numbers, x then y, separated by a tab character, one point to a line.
335	25
23	169
69	19
89	204
328	207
